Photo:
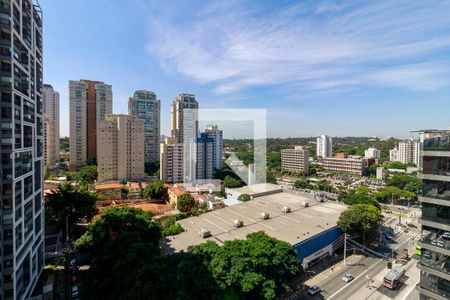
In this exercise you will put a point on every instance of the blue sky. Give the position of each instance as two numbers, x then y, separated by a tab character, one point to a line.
342	68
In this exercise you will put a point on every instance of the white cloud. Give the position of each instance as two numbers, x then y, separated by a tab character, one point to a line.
318	46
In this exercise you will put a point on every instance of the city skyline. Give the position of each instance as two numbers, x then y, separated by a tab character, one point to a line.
318	68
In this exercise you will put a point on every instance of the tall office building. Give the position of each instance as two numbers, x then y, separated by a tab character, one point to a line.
51	126
171	161
213	132
296	159
434	263
90	102
120	145
21	135
179	124
145	107
324	146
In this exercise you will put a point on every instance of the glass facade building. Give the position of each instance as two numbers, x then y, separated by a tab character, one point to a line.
21	147
434	263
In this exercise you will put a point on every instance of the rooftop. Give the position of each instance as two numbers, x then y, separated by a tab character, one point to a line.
300	224
108	185
257	188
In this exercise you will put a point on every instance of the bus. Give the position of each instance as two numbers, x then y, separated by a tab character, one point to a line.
418	250
392	279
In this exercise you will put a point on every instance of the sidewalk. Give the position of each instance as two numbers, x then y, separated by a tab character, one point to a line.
331	271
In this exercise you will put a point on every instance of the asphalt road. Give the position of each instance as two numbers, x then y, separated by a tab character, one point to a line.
335	288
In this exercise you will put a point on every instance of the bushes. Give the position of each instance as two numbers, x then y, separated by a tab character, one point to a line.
170	227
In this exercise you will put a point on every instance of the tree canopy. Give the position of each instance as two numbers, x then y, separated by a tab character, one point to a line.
359	219
244	197
118	220
186	203
257	267
358	196
71	202
155	190
231	182
406	182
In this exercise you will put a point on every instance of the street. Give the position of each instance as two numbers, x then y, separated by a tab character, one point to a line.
368	273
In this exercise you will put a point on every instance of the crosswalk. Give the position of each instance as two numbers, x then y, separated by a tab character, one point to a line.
412	234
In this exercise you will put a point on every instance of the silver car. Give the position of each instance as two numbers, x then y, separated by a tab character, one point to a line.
347	277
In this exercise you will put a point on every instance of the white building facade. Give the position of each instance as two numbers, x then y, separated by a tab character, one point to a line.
324	146
51	126
372	153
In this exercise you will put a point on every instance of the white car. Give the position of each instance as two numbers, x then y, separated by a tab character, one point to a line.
347	277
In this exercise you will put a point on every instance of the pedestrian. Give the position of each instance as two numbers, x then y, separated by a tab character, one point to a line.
332	269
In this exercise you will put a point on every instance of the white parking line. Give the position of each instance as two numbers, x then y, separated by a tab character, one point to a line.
222	219
224	230
241	215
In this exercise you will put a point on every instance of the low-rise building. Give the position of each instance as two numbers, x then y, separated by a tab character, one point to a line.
296	159
136	189
353	166
110	190
310	229
174	192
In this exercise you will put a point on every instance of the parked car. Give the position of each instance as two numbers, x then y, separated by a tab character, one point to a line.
347	277
313	290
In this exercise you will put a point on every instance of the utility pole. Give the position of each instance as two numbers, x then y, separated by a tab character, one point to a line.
345	249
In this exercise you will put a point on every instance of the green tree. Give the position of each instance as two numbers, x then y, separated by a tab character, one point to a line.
270	178
87	174
170	227
360	219
151	168
244	197
394	165
359	196
373	170
70	203
155	190
231	182
301	184
255	268
185	203
393	193
130	268
116	220
406	182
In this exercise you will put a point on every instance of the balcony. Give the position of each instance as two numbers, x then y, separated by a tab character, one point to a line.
5	19
441	143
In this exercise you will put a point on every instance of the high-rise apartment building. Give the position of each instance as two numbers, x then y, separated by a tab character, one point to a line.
296	159
204	165
120	145
21	147
434	262
393	154
372	153
145	107
324	146
213	132
408	152
171	161
90	102
180	124
51	126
